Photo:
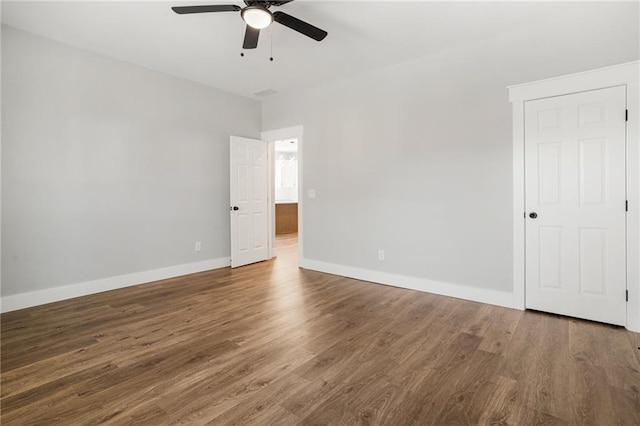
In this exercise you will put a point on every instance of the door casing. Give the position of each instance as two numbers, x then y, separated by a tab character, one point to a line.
623	74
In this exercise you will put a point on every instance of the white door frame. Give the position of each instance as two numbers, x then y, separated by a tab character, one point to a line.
271	136
623	74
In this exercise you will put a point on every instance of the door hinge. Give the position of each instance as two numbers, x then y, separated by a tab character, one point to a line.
626	115
626	205
626	297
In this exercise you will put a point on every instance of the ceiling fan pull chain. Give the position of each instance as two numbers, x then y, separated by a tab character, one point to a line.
271	37
242	37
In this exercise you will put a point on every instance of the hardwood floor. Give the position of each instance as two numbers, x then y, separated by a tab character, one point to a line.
272	344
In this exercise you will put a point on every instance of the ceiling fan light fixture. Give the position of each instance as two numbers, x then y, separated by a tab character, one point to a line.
257	17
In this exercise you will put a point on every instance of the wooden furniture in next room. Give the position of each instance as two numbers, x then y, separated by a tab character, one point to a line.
286	218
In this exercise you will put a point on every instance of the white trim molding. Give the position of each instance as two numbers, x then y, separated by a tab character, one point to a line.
482	295
627	74
55	294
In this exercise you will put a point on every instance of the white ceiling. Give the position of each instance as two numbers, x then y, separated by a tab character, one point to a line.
206	47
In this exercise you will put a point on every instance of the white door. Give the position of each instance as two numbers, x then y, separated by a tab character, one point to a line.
249	203
575	205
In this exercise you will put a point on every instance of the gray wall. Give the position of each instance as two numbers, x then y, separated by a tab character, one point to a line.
416	158
109	168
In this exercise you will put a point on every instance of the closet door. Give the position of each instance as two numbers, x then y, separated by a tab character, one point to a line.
575	150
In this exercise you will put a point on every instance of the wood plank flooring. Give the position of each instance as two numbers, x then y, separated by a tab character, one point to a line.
269	344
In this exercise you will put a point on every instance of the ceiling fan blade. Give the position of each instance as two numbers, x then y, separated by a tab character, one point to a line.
251	38
299	26
181	10
266	3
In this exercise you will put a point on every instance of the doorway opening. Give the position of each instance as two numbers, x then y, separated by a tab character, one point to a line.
285	180
286	193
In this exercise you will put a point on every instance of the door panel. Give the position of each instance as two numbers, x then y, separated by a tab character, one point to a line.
593	258
549	173
248	191
593	166
550	257
575	150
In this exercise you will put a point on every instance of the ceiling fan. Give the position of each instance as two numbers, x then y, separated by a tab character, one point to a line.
257	16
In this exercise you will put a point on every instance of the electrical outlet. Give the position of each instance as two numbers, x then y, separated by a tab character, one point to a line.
198	246
380	254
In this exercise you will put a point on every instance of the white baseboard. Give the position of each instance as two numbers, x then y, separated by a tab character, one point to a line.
41	297
55	294
491	297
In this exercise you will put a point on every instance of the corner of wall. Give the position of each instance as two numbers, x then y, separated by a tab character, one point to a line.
475	294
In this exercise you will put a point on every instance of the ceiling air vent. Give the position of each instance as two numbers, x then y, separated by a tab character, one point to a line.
265	92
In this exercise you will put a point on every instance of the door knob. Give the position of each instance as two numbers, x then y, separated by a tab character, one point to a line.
533	215
235	208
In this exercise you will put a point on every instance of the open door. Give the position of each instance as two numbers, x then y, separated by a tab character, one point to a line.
249	201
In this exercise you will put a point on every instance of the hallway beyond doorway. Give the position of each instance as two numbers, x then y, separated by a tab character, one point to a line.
287	249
